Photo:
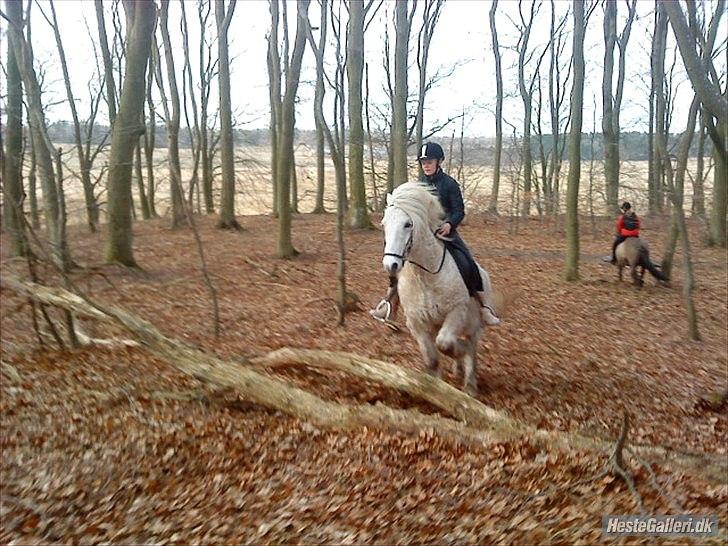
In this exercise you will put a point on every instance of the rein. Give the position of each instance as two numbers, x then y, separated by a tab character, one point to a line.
406	251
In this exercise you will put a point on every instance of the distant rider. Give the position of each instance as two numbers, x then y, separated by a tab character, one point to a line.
628	225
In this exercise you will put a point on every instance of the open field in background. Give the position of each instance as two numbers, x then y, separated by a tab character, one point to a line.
254	190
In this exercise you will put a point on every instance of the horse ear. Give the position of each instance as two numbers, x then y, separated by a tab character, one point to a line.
389	199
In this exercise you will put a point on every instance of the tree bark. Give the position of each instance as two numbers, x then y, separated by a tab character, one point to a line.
173	121
572	191
493	206
141	18
399	115
227	146
13	159
92	211
43	148
709	92
108	65
288	120
358	214
658	85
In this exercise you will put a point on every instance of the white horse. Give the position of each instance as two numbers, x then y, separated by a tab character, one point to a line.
439	311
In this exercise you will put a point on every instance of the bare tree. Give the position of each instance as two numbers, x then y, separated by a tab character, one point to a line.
493	206
430	16
274	89
285	147
358	215
612	99
13	158
43	148
337	156
149	138
402	25
223	17
675	177
526	89
572	191
318	106
172	118
92	212
141	18
108	65
206	73
657	70
706	83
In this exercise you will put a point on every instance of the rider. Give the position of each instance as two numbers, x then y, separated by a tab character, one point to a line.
448	192
628	225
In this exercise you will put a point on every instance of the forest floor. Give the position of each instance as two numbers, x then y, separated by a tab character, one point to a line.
113	445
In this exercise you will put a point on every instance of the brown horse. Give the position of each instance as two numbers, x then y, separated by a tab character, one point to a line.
634	252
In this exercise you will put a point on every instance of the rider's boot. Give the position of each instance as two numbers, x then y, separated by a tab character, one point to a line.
487	312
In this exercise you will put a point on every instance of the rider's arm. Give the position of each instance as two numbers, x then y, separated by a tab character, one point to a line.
457	207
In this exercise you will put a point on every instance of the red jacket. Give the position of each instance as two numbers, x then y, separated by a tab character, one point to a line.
623	231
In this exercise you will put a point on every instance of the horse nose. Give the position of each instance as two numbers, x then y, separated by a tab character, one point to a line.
395	265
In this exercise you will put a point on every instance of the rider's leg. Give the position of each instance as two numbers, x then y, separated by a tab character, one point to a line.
475	283
617	240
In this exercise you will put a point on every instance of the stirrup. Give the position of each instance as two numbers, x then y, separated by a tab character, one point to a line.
386	319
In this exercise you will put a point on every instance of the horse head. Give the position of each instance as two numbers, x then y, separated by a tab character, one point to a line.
412	214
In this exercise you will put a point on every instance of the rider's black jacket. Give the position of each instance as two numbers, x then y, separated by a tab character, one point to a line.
451	199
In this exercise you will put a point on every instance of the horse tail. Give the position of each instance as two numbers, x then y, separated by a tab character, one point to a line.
644	261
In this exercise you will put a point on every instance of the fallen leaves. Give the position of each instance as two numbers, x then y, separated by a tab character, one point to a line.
93	453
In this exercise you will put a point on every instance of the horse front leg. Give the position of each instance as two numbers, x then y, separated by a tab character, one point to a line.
429	351
469	364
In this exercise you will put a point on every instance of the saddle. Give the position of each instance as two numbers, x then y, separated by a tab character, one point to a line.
466	264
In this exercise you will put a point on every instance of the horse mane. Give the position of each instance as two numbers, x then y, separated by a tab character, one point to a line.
415	199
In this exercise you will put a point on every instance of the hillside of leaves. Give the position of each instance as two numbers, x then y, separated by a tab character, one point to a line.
113	445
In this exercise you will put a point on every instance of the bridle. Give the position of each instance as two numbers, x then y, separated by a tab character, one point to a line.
408	248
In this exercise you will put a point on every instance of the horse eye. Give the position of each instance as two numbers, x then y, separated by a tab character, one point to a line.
408	224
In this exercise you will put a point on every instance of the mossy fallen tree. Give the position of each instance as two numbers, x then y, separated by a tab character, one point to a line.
472	422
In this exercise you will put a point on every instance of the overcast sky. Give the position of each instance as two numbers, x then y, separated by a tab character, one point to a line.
462	40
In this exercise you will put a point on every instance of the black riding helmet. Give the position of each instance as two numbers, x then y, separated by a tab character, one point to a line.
431	150
626	206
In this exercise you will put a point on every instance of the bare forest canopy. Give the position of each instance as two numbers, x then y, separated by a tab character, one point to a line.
634	146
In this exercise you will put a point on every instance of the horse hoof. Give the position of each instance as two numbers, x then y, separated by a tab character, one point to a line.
471	390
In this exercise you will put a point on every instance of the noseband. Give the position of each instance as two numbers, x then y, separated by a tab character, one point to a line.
406	251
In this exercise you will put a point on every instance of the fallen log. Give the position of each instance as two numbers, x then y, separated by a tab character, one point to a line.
479	424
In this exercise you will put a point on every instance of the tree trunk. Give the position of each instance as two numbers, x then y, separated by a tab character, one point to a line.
285	150
42	147
108	66
493	206
92	211
399	116
141	17
658	84
173	121
698	206
274	88
318	105
358	215
572	191
12	165
138	170
149	141
227	145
